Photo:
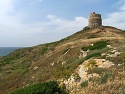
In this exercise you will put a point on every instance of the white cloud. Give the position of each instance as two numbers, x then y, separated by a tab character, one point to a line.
14	32
117	18
66	25
7	17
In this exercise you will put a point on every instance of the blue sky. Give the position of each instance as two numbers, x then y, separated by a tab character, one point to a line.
31	22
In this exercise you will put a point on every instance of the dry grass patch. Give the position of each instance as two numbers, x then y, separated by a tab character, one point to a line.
113	87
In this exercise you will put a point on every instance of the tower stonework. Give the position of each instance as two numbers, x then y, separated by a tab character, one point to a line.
94	20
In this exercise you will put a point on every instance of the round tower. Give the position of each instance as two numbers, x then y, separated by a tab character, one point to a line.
94	20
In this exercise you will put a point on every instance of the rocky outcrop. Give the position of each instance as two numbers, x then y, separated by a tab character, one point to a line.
83	53
81	73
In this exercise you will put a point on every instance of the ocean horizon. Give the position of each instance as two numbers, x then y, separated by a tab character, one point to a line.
7	50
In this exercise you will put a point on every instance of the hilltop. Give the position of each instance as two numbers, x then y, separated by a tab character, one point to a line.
98	51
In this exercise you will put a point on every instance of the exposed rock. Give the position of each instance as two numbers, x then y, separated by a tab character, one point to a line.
106	64
115	54
33	77
83	53
63	62
103	54
93	75
91	44
82	70
52	63
57	61
83	74
35	68
119	64
113	51
109	46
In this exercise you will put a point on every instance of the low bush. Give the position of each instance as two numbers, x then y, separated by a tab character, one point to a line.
92	55
105	77
62	72
98	70
96	46
44	49
80	61
84	84
51	87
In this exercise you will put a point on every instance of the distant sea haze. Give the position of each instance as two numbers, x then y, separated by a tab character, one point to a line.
7	50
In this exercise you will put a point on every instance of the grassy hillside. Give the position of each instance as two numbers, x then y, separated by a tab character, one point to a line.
53	61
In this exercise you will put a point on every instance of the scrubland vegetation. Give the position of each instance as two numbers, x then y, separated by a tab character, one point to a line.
32	70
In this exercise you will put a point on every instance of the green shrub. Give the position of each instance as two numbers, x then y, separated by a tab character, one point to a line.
87	48
105	77
84	84
44	49
80	61
51	87
92	55
62	72
7	60
98	70
96	46
100	45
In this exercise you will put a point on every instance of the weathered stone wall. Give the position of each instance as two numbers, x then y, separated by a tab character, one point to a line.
95	20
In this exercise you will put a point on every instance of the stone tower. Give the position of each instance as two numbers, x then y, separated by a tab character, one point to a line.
94	20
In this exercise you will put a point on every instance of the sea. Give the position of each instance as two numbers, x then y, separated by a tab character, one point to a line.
7	50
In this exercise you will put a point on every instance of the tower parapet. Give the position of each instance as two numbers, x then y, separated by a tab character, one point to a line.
94	20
